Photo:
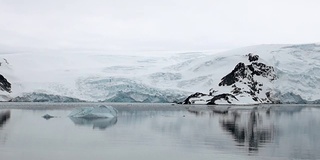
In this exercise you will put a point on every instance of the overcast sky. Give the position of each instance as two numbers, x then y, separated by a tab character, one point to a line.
144	25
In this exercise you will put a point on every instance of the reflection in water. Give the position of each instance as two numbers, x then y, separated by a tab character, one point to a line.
189	132
248	128
4	116
101	123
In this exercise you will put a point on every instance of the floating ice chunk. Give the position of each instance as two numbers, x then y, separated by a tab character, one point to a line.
94	112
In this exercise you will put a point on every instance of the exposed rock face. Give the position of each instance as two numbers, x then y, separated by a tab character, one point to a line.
4	84
243	81
246	75
252	57
242	71
195	95
227	97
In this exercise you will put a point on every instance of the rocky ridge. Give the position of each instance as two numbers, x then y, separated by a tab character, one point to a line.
244	84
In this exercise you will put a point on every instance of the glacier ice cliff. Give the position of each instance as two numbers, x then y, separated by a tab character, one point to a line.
43	97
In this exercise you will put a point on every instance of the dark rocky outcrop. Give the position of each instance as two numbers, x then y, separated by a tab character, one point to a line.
246	74
227	97
252	57
243	82
4	84
195	95
237	73
242	71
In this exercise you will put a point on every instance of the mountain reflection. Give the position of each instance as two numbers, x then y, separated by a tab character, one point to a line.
100	123
4	116
249	128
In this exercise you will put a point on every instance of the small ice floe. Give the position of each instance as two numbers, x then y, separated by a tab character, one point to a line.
47	116
94	112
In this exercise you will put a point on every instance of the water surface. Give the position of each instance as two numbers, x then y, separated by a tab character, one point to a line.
161	131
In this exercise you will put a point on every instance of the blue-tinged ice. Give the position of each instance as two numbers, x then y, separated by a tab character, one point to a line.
94	112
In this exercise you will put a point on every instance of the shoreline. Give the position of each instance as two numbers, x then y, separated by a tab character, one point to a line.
130	106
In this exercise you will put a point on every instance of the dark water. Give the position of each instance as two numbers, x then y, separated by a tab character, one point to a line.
150	131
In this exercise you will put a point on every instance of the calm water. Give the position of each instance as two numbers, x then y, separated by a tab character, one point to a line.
149	131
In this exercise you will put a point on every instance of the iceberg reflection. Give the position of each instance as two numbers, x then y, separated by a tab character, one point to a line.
100	123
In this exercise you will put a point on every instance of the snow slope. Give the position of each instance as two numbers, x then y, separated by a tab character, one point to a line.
148	77
93	76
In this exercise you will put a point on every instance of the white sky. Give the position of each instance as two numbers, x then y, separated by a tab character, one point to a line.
157	25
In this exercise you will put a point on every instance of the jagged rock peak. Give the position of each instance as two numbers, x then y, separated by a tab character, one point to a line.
242	71
226	97
252	57
236	73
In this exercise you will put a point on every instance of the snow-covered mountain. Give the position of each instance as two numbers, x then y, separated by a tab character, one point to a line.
245	84
282	73
291	74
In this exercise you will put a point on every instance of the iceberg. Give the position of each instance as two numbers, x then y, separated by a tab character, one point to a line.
94	112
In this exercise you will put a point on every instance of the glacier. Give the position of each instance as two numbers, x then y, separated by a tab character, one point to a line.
111	77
